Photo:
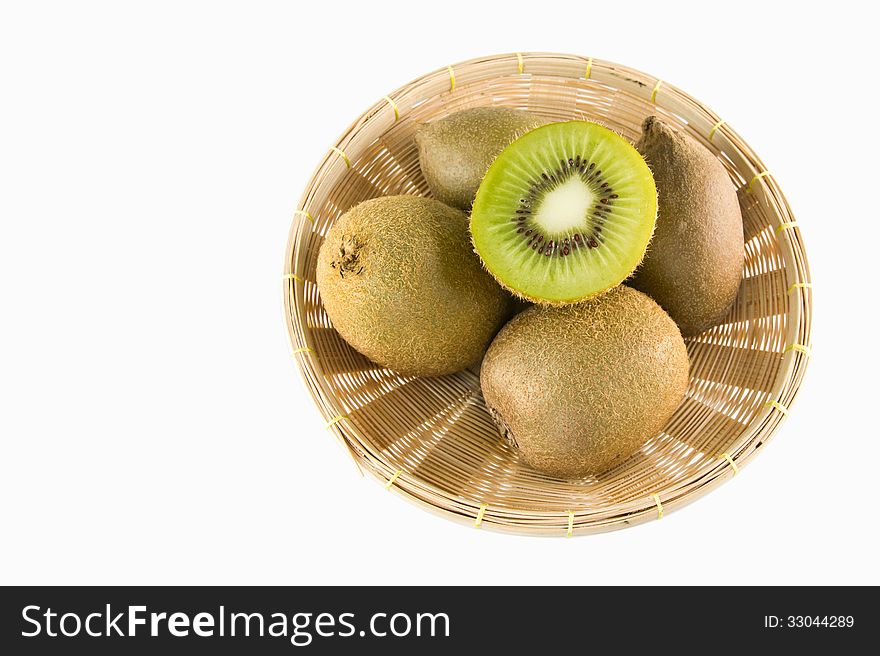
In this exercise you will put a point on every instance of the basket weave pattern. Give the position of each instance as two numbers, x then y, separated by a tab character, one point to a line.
431	439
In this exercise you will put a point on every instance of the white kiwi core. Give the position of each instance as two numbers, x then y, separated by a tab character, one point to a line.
564	209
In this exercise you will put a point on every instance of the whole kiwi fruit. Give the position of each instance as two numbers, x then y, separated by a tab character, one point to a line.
694	265
578	388
402	285
455	152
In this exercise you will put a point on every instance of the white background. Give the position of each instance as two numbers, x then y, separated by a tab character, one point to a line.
154	428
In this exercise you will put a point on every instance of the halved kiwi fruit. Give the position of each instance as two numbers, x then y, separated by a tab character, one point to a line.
564	213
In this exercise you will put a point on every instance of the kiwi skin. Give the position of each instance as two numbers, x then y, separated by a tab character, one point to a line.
579	388
456	151
400	284
693	267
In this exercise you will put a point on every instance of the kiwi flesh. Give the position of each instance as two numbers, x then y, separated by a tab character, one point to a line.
455	152
401	284
564	213
579	388
694	266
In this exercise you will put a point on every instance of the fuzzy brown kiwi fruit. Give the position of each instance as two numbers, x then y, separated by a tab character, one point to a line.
694	265
402	285
579	388
455	152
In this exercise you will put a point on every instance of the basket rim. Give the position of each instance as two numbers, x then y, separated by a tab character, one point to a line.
669	497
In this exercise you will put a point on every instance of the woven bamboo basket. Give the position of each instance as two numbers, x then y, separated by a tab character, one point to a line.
430	439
